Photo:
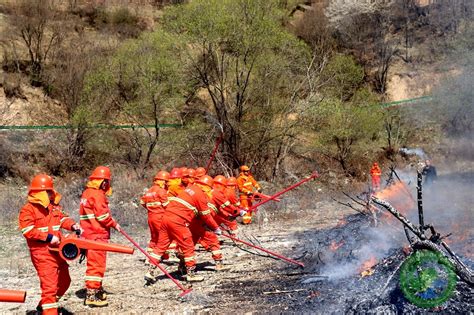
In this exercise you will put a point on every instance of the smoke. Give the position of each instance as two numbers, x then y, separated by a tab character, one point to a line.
416	151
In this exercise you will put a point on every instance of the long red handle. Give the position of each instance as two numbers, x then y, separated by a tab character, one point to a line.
213	154
254	207
265	250
12	296
156	263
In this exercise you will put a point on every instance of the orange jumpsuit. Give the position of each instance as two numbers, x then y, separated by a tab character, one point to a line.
225	210
174	191
38	225
96	220
375	173
179	214
232	197
246	184
155	200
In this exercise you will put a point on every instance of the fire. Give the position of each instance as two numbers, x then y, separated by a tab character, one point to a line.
399	196
334	246
366	269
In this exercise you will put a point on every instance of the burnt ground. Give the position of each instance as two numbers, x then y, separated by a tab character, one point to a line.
330	282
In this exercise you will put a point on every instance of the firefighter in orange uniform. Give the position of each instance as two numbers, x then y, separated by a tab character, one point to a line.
375	173
247	184
179	214
175	187
96	220
40	221
155	200
225	202
175	184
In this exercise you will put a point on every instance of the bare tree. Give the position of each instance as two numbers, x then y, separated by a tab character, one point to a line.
35	23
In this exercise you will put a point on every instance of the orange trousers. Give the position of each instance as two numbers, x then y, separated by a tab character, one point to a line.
53	273
96	264
177	229
376	183
246	203
206	238
154	222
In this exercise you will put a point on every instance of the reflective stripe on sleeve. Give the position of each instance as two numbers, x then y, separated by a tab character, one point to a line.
43	229
225	204
102	217
27	229
248	183
56	227
210	205
87	216
205	212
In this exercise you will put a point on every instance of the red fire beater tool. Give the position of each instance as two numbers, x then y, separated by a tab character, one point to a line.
272	197
156	263
265	250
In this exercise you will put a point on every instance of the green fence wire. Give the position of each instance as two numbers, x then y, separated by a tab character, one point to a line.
46	127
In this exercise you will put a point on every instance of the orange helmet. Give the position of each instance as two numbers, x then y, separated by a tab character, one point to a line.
205	180
244	168
176	173
191	173
41	182
231	181
219	179
200	171
101	172
185	171
162	175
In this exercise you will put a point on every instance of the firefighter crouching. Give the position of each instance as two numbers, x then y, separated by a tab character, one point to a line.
96	220
247	184
40	221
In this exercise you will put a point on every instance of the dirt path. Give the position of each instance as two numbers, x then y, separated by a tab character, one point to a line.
124	277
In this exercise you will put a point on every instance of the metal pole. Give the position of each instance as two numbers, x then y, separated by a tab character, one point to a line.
156	263
254	207
265	250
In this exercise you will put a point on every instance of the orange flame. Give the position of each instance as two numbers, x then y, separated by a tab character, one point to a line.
366	269
399	196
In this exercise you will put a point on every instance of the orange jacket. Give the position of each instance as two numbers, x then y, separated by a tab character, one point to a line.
155	200
94	213
38	224
190	203
230	194
246	184
375	171
222	205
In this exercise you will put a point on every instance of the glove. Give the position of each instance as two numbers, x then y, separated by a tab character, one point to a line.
77	228
249	193
243	212
118	227
259	190
218	231
54	240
